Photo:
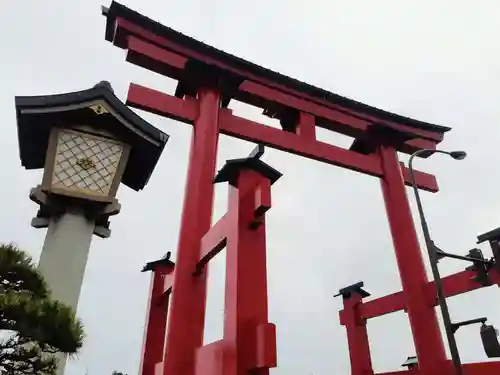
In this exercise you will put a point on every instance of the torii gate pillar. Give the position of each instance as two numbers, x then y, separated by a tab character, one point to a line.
249	340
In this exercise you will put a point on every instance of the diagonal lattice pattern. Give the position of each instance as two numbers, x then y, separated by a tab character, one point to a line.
85	163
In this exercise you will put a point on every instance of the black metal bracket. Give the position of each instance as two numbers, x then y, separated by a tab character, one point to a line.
456	326
441	254
348	291
480	265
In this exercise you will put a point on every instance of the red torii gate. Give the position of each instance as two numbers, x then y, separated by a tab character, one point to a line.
207	80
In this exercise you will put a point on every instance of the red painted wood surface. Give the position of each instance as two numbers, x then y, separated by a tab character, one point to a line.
249	342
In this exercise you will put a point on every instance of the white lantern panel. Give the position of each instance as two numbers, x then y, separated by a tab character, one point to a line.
85	163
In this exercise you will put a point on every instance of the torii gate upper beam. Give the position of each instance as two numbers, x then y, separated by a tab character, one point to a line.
299	107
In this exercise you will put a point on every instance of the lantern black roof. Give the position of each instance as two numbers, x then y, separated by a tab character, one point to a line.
36	115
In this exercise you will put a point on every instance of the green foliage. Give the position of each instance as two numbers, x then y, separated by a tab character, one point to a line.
33	326
18	273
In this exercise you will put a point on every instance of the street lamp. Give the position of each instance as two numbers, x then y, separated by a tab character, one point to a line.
433	256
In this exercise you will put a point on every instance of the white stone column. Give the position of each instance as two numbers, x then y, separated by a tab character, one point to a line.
64	255
64	258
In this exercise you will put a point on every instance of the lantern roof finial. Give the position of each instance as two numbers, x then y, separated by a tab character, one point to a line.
105	84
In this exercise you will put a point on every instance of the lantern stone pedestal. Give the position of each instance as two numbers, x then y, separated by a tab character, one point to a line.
71	224
72	230
87	142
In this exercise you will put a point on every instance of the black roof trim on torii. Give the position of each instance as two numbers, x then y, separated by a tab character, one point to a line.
36	115
118	10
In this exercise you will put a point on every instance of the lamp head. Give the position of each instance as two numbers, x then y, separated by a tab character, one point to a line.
458	155
489	337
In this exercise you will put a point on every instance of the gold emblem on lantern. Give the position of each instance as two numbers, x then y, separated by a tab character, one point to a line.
99	109
86	163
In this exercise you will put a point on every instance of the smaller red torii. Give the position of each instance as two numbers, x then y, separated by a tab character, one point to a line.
156	320
356	313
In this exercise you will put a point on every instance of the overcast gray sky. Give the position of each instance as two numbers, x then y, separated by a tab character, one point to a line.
436	61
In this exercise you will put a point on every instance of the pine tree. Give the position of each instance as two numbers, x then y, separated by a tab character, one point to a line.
33	326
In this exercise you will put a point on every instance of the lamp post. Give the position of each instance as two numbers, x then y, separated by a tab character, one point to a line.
433	257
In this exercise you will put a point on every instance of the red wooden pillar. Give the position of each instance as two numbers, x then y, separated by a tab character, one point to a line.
156	322
357	333
249	339
422	316
187	310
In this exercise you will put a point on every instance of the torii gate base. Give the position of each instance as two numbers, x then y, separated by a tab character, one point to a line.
208	79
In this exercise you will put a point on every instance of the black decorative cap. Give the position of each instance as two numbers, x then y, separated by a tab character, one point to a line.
232	169
165	261
357	288
411	362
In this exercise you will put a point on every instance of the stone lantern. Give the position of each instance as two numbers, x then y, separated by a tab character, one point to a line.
87	143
